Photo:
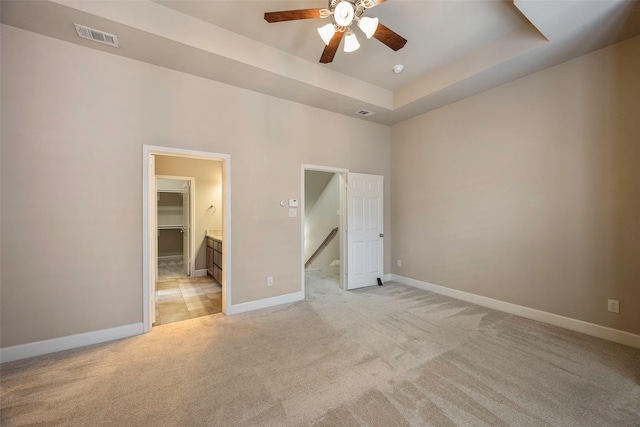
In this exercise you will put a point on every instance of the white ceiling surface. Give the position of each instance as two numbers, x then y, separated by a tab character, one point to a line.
455	48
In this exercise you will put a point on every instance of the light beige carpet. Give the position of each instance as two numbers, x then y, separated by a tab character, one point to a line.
380	356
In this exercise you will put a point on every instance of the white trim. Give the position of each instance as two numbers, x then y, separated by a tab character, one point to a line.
200	272
148	258
38	348
267	302
576	325
386	278
149	229
323	168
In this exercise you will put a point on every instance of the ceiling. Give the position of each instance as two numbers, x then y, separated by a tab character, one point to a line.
455	48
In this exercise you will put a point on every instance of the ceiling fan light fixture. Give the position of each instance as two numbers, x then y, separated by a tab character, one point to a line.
368	26
327	32
343	13
351	42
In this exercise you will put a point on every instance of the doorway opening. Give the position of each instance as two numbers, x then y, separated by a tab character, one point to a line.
360	227
175	212
185	206
186	213
323	242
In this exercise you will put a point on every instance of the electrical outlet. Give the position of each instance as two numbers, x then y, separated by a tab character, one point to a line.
613	305
269	281
399	263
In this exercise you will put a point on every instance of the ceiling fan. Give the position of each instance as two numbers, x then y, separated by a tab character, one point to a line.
345	13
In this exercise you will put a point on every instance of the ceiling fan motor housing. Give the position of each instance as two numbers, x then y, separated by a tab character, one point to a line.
343	13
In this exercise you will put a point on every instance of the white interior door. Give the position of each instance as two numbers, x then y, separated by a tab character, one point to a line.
365	234
186	228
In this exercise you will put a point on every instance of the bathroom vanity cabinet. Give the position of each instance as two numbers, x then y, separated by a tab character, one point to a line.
214	258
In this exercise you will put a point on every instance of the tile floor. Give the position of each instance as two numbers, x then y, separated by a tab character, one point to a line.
170	269
183	298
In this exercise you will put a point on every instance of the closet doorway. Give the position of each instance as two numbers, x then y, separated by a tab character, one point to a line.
196	213
175	223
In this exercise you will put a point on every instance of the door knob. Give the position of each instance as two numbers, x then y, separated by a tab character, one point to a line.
381	235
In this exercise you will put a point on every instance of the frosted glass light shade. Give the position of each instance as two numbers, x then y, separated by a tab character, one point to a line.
368	26
351	42
327	32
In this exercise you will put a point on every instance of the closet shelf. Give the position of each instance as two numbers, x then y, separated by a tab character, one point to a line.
170	226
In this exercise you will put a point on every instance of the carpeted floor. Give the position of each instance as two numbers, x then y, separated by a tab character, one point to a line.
379	356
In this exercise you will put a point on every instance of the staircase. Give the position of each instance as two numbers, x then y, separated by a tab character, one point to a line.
323	245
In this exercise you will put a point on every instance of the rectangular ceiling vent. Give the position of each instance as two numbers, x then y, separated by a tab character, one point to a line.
96	35
365	113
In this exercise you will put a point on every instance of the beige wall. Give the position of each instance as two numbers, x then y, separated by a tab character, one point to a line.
321	216
73	124
208	191
530	192
169	243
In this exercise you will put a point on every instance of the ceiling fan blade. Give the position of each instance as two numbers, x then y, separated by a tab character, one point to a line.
330	50
389	37
291	15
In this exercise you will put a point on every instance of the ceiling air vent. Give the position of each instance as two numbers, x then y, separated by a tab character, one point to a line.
365	113
96	35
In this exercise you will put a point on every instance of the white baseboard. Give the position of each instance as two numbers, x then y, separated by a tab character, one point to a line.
266	302
200	273
386	277
592	329
54	345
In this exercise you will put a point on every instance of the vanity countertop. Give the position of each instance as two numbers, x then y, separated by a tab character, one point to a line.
217	237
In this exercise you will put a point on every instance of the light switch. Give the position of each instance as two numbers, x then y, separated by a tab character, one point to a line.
293	212
293	203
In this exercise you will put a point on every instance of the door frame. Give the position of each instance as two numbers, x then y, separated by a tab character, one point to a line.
342	220
149	226
192	215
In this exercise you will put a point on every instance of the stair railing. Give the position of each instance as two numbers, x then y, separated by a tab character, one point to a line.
323	245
